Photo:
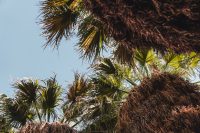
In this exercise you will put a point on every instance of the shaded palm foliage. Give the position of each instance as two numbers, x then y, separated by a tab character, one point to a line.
27	92
125	26
4	126
61	18
34	100
15	112
93	103
148	24
162	103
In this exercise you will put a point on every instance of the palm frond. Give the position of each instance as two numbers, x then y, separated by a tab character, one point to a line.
106	66
124	54
59	18
92	37
27	90
50	98
16	112
79	87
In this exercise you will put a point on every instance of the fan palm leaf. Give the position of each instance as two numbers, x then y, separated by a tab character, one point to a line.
92	37
59	18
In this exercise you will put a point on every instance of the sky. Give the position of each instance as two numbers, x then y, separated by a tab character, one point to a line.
21	48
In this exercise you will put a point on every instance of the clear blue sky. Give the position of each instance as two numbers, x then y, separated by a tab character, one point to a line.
21	51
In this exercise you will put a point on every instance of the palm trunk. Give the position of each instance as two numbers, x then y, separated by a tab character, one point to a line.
37	111
48	116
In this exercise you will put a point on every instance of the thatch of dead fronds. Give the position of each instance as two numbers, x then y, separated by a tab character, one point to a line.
164	103
46	128
161	24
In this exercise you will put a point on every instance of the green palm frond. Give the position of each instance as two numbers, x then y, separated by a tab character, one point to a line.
143	59
27	90
101	117
171	60
59	18
92	37
144	56
108	85
50	98
79	88
16	112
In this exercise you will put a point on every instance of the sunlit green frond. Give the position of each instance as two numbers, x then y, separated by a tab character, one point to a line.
171	60
59	18
194	59
144	56
92	37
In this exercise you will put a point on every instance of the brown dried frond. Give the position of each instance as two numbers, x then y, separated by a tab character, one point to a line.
165	103
158	24
47	128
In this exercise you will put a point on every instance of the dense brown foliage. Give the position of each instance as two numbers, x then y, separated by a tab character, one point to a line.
159	24
46	128
165	103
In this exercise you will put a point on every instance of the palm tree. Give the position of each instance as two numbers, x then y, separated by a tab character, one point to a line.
162	103
50	96
94	101
58	19
33	101
157	25
161	25
27	91
108	85
92	37
61	18
4	126
15	112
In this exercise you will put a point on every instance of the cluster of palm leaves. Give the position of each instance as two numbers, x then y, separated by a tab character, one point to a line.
61	18
33	101
92	101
